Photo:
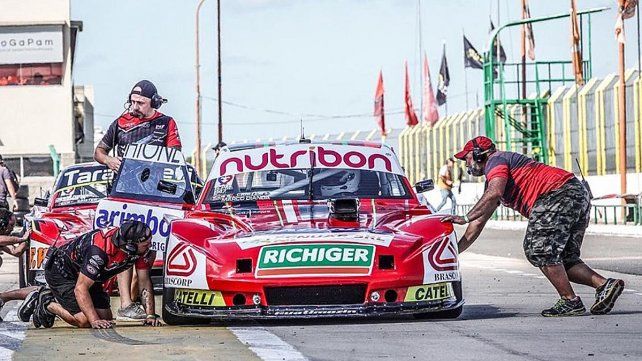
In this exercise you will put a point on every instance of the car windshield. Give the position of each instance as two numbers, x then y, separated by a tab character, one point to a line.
307	184
81	185
152	180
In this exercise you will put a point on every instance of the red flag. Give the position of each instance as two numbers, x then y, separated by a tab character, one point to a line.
411	117
378	106
431	112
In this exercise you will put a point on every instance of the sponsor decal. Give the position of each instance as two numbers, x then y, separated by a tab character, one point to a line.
88	175
98	260
154	153
305	156
440	261
185	266
111	213
91	269
434	292
377	239
315	260
37	253
181	261
315	312
202	298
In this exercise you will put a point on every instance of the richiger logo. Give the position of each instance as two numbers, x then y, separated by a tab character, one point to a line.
106	218
325	157
315	259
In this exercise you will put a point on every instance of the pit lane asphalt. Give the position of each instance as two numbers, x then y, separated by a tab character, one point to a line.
501	321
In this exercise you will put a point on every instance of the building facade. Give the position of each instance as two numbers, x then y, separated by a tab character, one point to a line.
44	118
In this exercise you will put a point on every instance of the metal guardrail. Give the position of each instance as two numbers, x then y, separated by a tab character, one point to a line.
600	214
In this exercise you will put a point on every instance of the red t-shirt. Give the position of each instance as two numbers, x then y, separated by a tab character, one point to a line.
526	179
159	129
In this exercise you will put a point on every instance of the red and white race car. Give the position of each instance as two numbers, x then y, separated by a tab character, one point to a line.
67	213
307	229
154	185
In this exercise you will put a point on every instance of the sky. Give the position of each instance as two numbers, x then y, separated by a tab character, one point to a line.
284	61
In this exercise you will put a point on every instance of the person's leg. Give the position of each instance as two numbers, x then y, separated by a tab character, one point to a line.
105	314
17	294
444	198
134	288
556	274
78	319
451	195
124	288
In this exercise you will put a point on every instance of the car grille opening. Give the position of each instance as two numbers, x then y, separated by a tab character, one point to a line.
243	266
315	295
386	262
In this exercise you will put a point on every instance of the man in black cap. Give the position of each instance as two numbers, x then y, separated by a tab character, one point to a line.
76	271
8	186
141	123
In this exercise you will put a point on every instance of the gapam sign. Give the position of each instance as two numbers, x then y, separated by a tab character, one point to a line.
31	44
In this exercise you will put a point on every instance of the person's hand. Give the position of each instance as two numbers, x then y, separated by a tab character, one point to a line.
25	236
102	324
454	219
153	321
15	206
113	163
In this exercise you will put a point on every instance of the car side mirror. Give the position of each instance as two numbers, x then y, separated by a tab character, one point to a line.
40	202
424	186
166	187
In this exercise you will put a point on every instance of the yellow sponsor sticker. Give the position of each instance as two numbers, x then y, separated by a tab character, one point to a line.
432	292
201	298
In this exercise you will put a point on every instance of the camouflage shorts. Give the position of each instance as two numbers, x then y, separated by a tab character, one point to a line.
556	226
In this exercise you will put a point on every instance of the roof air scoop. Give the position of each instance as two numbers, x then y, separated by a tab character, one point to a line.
344	213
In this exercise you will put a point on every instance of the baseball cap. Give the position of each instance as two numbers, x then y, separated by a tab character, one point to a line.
484	143
144	88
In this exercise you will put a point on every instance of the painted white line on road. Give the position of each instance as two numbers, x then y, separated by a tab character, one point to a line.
639	294
629	290
12	333
266	345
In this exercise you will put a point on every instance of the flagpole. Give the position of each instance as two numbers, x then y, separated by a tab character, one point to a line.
465	73
421	93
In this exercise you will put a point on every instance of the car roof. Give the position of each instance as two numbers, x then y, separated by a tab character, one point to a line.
246	146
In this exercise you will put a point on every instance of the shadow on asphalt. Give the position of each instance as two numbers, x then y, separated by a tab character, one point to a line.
483	312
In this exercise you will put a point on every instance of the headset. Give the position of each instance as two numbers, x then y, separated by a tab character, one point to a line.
479	155
156	100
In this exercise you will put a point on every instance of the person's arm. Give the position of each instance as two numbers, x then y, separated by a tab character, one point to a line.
101	153
12	191
473	231
147	297
485	207
86	304
10	240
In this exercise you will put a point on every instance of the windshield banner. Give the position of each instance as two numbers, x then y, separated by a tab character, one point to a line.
154	153
296	156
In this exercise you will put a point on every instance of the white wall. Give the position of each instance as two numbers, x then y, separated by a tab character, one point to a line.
19	12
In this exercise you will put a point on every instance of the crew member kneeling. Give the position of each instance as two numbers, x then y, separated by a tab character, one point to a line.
76	271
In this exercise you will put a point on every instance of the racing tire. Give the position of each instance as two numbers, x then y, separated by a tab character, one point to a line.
174	320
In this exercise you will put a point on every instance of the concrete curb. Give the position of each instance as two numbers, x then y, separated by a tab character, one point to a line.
593	229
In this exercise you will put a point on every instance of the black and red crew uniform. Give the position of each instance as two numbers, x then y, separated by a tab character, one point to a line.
159	129
95	256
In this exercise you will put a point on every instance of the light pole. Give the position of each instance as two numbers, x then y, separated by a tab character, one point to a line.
220	96
197	155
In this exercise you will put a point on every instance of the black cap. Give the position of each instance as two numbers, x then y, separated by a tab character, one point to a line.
144	88
132	232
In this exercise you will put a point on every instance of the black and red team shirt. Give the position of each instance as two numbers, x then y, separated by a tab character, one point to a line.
526	179
94	255
159	130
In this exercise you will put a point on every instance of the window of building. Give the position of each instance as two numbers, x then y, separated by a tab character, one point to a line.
31	74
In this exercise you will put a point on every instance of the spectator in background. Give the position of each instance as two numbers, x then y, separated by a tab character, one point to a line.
445	185
8	185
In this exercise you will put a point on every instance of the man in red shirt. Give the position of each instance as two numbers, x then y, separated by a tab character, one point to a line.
76	271
142	123
557	207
